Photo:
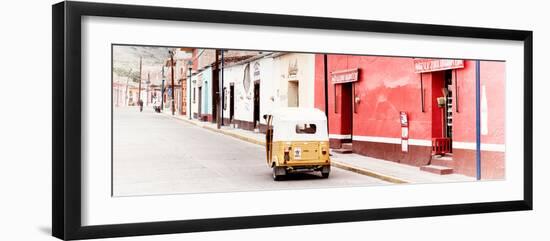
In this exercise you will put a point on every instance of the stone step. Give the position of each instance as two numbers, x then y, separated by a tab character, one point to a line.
342	151
440	170
442	162
447	157
347	146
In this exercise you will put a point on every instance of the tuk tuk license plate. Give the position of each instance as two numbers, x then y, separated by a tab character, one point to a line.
297	153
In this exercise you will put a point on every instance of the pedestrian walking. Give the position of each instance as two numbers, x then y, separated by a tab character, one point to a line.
140	103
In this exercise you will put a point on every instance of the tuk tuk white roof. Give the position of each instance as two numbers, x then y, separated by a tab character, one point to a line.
298	114
286	119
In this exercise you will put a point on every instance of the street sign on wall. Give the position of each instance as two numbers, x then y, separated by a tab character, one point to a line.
404	119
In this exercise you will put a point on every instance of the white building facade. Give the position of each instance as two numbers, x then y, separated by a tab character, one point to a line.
259	85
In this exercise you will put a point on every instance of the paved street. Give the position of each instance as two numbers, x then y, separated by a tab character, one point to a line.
156	154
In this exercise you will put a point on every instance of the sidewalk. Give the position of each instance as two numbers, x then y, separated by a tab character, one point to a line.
392	171
385	170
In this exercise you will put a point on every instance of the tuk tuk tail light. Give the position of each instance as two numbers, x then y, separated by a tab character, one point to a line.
324	151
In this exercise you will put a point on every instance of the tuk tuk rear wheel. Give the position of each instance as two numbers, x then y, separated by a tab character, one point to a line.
325	171
278	173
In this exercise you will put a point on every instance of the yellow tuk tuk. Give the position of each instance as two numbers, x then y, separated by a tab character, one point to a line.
297	140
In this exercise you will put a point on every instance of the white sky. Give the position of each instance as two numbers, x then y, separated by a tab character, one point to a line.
127	57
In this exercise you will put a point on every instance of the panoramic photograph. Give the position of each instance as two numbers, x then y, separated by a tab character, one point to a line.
193	120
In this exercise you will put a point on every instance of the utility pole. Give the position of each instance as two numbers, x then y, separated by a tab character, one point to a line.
162	90
189	87
126	98
148	86
217	77
173	90
222	89
162	95
139	86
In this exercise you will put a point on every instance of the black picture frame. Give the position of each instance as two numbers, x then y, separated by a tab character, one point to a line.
66	114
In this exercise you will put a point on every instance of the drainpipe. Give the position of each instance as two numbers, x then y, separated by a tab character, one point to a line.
422	93
325	67
478	123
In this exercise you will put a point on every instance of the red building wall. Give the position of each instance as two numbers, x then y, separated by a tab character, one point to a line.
385	87
388	85
492	76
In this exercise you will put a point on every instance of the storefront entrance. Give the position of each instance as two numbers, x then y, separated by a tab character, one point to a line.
442	112
199	116
344	92
346	111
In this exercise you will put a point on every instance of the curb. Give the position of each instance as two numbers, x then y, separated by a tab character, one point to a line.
333	162
366	172
244	138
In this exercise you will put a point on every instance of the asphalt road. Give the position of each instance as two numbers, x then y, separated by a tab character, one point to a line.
156	154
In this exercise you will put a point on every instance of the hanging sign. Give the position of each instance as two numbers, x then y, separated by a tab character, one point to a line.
257	71
293	70
431	65
345	76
